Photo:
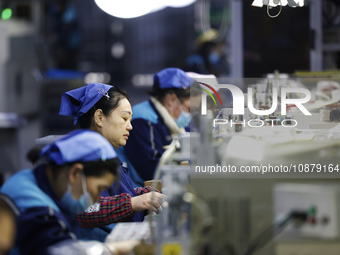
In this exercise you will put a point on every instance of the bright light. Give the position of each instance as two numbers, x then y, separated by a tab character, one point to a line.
283	2
277	2
141	80
128	8
179	3
6	14
257	3
135	8
97	77
117	50
300	3
273	3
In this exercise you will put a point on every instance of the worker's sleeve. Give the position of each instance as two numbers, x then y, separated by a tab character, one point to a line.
41	227
144	148
146	189
106	211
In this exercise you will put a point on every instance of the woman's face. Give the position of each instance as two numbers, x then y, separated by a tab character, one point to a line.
180	106
96	185
117	126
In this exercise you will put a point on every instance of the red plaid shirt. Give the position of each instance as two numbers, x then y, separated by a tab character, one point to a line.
109	210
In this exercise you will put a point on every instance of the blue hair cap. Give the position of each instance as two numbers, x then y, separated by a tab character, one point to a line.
78	146
172	78
79	101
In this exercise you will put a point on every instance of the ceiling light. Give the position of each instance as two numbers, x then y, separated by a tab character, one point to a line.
273	3
128	8
135	8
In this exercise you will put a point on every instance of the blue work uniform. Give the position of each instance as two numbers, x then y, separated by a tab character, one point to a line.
146	143
124	186
44	220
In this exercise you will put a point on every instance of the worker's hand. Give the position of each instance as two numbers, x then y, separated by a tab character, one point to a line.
122	248
145	201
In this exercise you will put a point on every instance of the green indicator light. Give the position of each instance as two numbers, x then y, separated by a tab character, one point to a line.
312	210
6	14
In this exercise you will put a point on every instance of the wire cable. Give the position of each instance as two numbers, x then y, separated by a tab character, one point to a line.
276	15
273	230
203	23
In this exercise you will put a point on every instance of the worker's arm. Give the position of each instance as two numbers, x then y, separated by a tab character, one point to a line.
107	210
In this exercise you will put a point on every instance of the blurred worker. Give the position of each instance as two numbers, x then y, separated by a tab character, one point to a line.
107	110
166	113
8	214
209	57
83	162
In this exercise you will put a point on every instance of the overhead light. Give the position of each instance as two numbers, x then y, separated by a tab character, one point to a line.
279	2
273	3
257	3
142	80
117	50
128	8
97	77
179	3
135	8
296	3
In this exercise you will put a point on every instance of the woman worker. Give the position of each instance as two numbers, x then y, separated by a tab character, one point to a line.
107	110
84	162
166	113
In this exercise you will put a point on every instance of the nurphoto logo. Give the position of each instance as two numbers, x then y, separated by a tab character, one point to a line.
238	99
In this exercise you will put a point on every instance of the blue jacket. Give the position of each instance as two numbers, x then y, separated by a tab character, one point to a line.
44	220
146	143
124	186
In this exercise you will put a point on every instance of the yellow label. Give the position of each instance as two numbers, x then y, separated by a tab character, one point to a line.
171	249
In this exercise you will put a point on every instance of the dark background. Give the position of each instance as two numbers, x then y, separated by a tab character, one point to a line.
165	38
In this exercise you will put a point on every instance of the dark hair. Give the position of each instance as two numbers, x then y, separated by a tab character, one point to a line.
98	168
182	94
95	168
33	154
107	106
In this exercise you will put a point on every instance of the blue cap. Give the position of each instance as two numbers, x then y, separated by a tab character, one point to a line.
78	146
87	97
172	78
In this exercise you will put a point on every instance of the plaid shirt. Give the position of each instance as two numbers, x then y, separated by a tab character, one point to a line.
109	210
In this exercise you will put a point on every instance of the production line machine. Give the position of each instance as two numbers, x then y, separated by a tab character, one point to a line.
286	196
299	156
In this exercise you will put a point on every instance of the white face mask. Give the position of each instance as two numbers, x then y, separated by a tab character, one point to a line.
81	204
86	196
183	119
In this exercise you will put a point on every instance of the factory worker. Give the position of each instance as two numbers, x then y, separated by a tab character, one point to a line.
8	214
166	113
107	110
83	162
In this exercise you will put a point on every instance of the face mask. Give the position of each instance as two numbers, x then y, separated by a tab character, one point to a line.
183	119
81	204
